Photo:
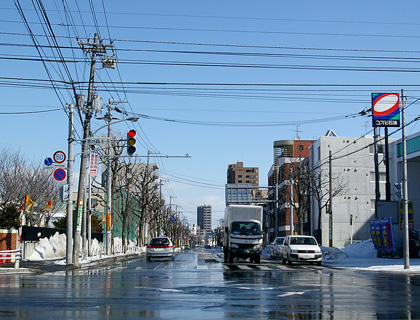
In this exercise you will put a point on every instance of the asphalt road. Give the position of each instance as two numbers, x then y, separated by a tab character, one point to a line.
197	285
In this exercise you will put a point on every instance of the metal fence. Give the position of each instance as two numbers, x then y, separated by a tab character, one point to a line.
11	256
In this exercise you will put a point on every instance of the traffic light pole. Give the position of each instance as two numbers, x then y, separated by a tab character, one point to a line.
108	188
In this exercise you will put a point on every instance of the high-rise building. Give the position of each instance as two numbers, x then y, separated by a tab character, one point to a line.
238	174
204	218
242	184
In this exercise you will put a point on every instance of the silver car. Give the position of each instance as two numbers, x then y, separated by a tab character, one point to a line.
275	249
160	247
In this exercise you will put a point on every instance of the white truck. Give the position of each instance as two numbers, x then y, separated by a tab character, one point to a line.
243	234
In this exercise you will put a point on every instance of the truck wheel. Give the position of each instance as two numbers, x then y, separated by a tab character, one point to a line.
257	259
283	260
288	260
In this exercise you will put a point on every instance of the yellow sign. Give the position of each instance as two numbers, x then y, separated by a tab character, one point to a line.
410	215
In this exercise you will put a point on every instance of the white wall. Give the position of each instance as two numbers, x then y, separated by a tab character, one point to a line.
353	164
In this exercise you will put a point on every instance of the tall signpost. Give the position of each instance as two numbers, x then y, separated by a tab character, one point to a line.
386	113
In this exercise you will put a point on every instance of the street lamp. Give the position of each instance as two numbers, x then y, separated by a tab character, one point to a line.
83	213
108	119
108	176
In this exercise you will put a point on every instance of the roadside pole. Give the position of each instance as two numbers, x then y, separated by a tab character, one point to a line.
69	244
94	49
405	186
108	186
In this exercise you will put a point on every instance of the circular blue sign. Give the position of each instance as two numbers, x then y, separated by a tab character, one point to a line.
59	174
48	162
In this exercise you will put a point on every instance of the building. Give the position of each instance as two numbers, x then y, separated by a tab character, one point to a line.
352	174
238	174
242	185
413	187
287	158
204	218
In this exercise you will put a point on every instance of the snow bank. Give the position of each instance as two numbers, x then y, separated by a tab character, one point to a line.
362	249
55	247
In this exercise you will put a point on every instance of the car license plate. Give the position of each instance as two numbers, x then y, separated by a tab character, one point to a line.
307	256
159	249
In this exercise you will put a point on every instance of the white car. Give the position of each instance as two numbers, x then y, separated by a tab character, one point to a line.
160	247
276	246
301	248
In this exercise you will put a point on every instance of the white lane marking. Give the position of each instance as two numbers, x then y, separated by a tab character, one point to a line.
287	294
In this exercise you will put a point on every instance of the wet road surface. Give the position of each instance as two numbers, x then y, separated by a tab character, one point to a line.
197	285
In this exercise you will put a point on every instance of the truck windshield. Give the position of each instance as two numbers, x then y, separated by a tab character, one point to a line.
246	228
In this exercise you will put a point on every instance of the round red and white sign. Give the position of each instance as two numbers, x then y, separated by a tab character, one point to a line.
59	157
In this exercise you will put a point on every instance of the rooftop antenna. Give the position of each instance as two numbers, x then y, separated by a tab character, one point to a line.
297	137
366	125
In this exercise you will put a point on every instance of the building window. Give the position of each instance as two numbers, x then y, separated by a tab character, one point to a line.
380	148
382	176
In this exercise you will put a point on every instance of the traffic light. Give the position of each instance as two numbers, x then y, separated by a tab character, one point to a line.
131	142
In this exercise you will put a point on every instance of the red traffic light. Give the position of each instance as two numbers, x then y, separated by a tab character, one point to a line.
131	142
131	133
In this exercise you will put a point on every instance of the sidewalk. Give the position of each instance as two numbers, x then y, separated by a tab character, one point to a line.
55	265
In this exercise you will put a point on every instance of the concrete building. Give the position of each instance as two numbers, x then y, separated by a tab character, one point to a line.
242	185
353	169
204	218
237	173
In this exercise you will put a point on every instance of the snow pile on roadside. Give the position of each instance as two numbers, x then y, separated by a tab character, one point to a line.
362	249
55	247
333	254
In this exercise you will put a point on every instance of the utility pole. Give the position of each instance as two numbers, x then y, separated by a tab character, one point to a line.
376	160
108	185
292	227
94	49
330	200
405	186
69	244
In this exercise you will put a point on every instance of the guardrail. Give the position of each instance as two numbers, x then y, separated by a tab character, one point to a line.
11	256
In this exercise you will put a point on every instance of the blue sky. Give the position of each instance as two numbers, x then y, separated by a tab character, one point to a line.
232	76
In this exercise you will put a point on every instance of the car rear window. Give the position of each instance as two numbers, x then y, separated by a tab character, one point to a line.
159	242
279	241
302	240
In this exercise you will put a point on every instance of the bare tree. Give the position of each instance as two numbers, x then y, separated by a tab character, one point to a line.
146	191
19	178
300	182
320	191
